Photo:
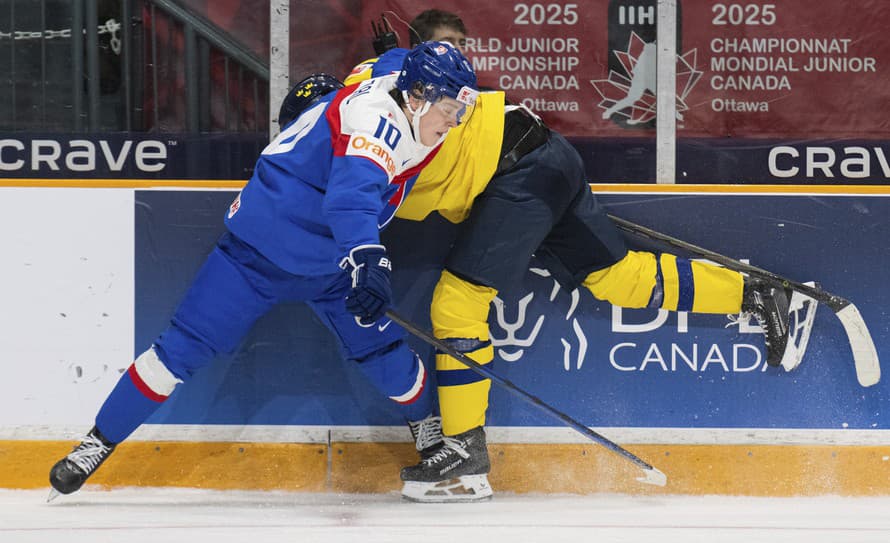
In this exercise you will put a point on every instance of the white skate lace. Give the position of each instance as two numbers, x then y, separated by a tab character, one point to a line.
450	444
735	320
745	316
427	432
89	453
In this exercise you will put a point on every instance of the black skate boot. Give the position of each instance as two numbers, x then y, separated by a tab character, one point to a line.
427	434
770	306
71	472
457	472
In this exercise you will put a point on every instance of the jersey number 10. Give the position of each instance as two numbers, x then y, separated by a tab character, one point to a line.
388	133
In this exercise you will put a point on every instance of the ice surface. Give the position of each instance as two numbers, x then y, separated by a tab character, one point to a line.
138	515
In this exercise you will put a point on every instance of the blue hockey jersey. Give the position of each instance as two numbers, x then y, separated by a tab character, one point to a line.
330	180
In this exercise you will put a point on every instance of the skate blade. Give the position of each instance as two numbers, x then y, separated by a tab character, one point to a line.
803	311
53	494
468	488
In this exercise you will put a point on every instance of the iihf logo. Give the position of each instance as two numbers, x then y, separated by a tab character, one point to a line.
628	96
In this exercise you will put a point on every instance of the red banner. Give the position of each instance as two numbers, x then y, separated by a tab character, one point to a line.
789	69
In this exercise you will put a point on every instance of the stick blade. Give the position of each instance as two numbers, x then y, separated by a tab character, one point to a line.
865	356
802	310
652	476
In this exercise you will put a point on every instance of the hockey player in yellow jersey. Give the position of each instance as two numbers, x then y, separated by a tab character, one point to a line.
506	164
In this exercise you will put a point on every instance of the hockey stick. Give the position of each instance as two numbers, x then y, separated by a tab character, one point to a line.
651	475
865	356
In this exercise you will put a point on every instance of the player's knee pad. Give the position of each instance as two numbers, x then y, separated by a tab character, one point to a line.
397	372
460	308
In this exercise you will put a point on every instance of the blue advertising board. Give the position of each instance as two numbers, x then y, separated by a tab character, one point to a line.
740	160
603	366
129	155
607	160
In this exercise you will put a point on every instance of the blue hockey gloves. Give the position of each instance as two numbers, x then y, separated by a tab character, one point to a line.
371	294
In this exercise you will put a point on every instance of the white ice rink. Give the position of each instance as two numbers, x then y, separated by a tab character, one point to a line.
197	516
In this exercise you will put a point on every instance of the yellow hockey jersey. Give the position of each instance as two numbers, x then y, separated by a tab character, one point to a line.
463	167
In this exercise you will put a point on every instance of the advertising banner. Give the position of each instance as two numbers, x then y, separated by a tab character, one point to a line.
129	155
624	160
602	365
97	287
749	161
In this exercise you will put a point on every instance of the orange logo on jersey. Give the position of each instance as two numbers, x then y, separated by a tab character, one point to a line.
360	145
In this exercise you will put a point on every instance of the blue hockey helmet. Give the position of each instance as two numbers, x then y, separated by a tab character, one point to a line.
435	70
304	94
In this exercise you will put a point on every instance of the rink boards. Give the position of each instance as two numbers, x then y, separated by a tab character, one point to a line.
94	270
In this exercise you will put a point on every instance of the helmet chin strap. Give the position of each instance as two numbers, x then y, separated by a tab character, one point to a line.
416	114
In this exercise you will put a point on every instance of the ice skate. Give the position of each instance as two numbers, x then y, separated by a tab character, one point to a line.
457	472
427	434
786	318
71	472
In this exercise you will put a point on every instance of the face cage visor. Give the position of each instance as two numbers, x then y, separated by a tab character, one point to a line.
459	108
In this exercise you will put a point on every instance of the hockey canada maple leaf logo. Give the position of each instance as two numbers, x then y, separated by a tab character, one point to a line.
631	96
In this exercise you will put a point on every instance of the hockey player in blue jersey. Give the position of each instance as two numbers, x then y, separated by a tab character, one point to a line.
306	228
